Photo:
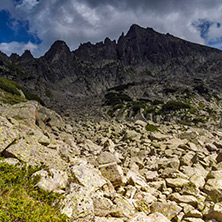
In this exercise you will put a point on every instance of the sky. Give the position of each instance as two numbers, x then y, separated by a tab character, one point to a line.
36	24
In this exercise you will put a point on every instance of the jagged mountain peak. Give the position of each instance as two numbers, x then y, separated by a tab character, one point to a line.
136	29
14	57
58	50
59	44
27	55
141	55
141	45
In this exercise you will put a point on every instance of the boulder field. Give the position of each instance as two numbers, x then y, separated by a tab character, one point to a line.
117	171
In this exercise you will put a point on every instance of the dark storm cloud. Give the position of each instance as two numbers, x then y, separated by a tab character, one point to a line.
164	6
79	21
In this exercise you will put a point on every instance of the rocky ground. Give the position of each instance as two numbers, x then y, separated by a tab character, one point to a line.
113	170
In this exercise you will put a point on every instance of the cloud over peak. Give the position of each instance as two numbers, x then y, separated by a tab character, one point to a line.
78	21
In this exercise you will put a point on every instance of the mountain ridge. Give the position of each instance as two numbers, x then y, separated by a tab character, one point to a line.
143	61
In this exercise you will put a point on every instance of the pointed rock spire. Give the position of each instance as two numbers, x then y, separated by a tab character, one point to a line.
59	50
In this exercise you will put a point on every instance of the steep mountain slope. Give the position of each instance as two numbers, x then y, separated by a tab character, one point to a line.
164	164
143	64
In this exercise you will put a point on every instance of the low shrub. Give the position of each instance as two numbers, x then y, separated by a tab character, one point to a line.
10	86
113	99
9	98
21	200
201	89
112	110
169	90
157	102
151	128
199	120
137	105
31	96
147	72
175	105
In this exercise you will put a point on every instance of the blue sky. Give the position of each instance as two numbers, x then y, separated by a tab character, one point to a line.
15	30
36	24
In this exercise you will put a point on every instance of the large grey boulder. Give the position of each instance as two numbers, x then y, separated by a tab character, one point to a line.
88	176
154	217
177	182
113	172
52	180
25	112
50	119
188	199
31	152
8	133
78	205
169	209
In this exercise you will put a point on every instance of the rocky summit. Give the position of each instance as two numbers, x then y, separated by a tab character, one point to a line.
120	131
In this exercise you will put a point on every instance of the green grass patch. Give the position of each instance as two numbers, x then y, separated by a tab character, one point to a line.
112	110
31	96
136	106
20	200
175	105
157	102
113	99
9	98
10	86
169	90
151	128
199	120
12	95
147	72
201	89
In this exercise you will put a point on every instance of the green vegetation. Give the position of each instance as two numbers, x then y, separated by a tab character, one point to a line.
9	98
11	93
10	86
48	93
112	111
175	105
20	200
169	90
147	72
151	128
199	120
201	105
157	102
183	122
113	99
217	99
136	106
150	109
201	89
31	96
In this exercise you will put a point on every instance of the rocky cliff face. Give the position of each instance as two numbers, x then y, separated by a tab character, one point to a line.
143	61
139	135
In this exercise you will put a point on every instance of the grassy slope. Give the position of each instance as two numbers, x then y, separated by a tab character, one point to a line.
20	200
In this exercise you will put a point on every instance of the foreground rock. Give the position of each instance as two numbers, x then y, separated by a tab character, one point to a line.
118	171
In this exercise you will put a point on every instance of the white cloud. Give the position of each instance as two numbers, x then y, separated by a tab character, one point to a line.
27	5
17	47
6	5
215	32
79	21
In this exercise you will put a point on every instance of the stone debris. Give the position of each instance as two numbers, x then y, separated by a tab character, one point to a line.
118	171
